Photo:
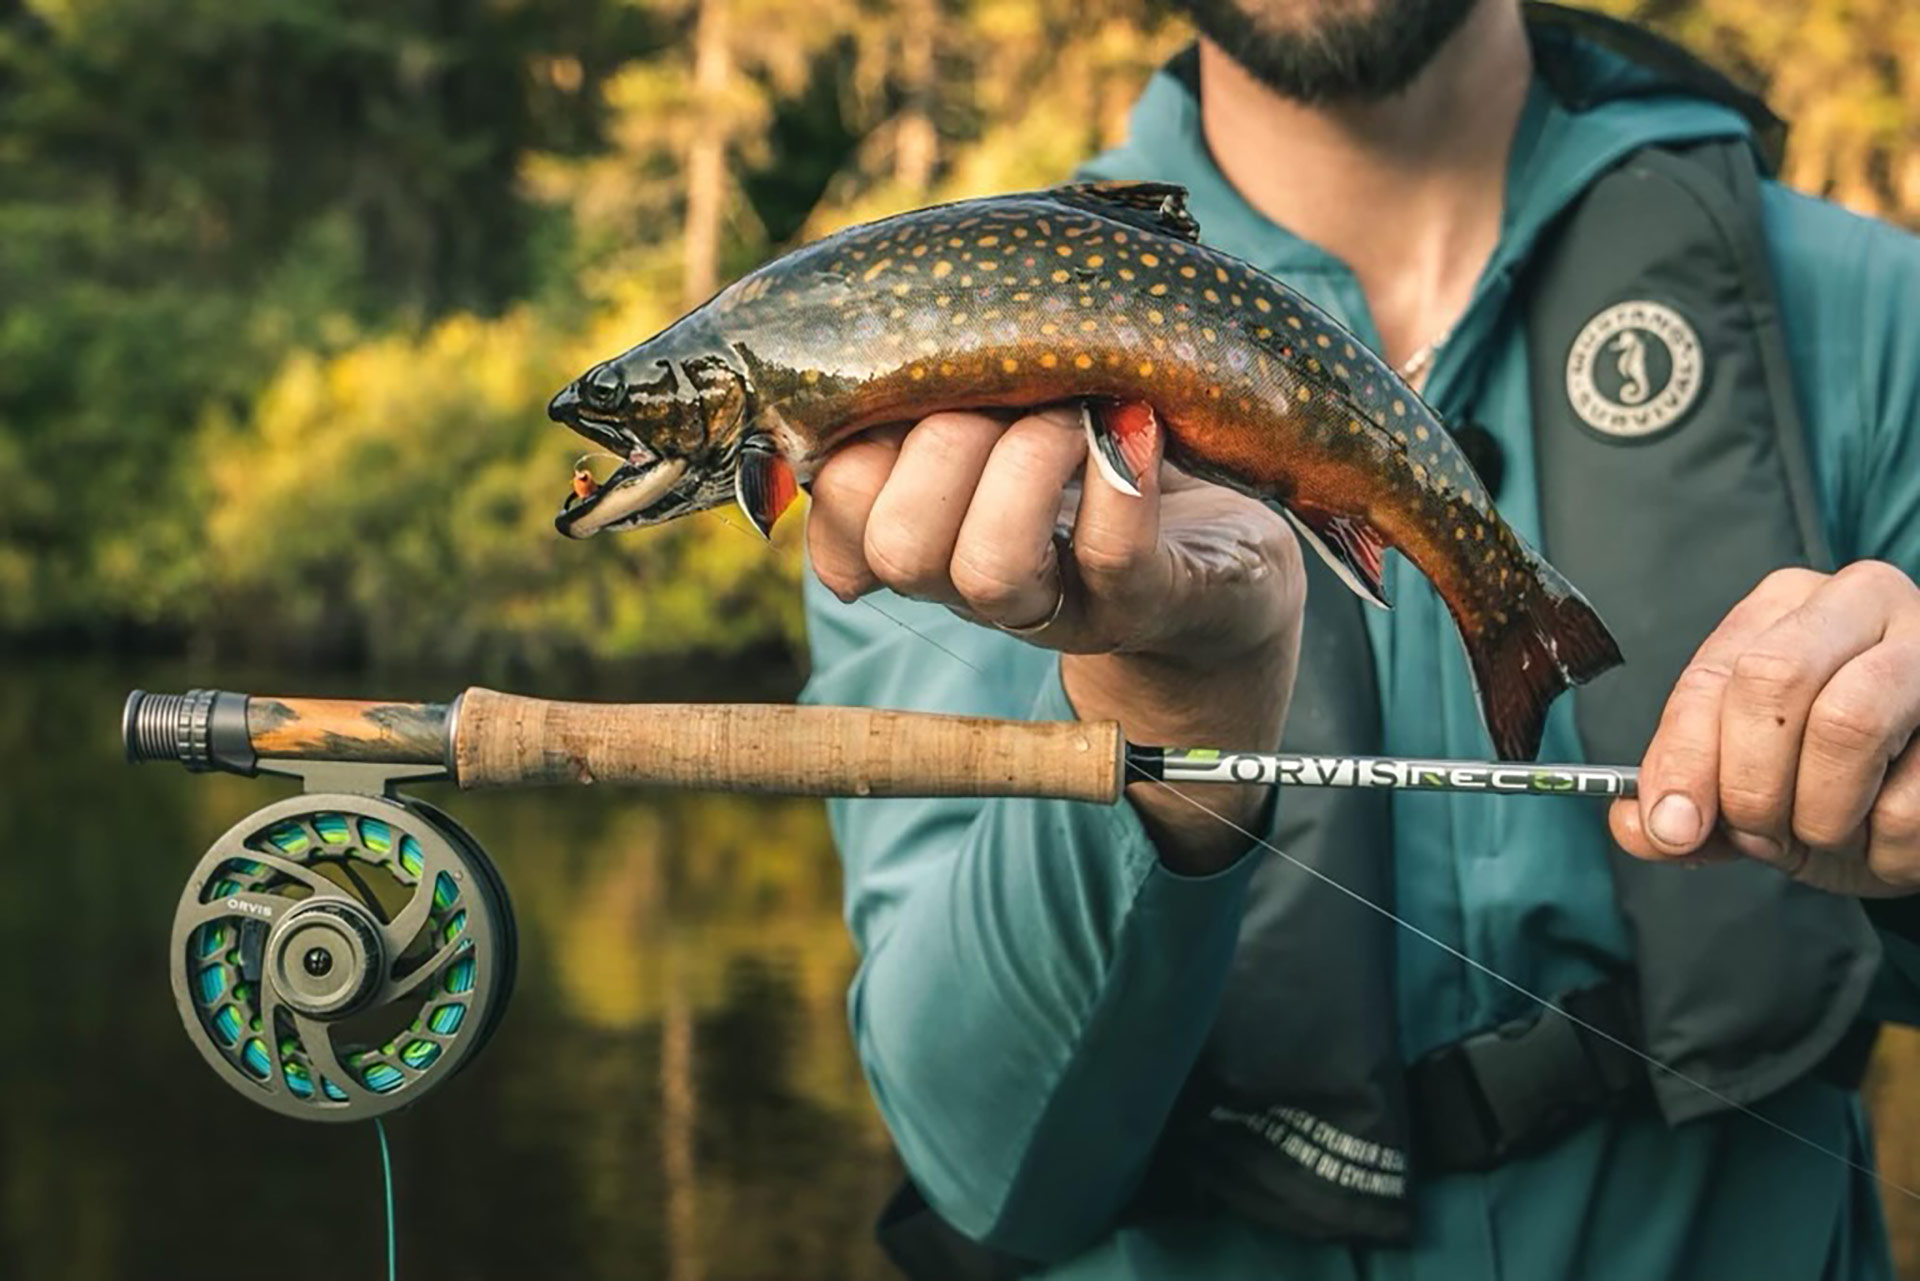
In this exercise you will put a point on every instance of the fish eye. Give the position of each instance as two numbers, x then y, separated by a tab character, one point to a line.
603	388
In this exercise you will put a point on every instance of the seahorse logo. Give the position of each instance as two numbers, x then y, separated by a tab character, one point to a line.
1635	369
1631	350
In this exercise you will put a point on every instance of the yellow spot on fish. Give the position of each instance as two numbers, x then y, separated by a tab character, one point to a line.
966	281
1048	360
1399	409
1303	395
946	367
1346	349
1065	251
1126	273
987	242
1213	393
1419	472
1094	260
942	269
1023	296
1088	326
919	372
1313	364
1146	368
900	290
1083	361
919	251
1460	533
812	376
1263	332
876	269
1149	260
1086	300
1189	272
1263	304
1208	334
1049	328
1156	315
1353	426
1322	341
1211	296
1060	277
1010	364
1420	433
1339	370
989	266
1293	321
942	301
1158	290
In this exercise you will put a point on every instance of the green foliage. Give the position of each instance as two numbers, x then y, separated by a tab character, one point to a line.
285	284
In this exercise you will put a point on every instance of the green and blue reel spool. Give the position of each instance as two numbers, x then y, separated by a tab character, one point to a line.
336	956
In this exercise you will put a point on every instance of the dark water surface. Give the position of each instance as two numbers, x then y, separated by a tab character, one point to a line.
672	1094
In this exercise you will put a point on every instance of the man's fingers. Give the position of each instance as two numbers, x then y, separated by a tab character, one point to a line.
1005	566
1679	776
1860	722
915	522
1893	824
842	495
1775	701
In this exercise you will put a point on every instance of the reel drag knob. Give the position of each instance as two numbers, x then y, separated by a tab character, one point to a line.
326	958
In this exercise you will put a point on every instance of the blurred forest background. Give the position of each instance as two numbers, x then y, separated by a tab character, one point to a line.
285	284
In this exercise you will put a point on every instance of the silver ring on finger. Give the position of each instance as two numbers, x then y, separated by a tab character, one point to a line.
1062	540
1034	629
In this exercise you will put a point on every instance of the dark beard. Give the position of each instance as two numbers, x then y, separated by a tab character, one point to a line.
1340	57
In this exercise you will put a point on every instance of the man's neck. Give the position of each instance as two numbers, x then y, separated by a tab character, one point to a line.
1407	192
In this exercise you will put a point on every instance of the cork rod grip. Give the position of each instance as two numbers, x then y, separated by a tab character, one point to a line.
504	740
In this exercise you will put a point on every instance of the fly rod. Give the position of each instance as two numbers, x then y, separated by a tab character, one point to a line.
485	739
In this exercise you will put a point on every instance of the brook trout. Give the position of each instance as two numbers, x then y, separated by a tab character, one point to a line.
1101	294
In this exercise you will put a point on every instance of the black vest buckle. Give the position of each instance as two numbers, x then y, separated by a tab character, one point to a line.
1526	1084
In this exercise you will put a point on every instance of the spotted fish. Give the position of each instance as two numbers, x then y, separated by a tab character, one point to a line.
1100	294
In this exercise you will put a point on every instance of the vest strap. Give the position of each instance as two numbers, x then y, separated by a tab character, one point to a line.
1523	1086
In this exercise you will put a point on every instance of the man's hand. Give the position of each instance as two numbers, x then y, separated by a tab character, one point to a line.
1179	610
1792	731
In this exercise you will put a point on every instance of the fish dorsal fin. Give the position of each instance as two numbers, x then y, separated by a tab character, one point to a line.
1151	206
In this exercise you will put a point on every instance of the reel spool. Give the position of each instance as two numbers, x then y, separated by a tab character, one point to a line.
339	955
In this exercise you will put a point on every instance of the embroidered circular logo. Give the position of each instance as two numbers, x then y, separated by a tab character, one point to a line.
1635	369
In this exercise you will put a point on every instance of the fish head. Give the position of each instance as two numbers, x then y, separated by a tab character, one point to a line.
677	424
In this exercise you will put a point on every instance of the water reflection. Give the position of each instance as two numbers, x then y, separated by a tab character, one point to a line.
672	1094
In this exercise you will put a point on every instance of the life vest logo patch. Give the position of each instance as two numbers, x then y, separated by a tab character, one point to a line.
1635	369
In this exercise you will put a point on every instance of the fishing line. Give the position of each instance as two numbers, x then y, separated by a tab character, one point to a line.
386	1171
1536	998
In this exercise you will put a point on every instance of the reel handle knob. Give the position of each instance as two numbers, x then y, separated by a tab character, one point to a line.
505	740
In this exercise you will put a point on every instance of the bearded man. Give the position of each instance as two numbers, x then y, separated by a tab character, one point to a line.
1135	1042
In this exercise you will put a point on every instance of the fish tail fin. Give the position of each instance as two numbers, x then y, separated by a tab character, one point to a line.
1519	668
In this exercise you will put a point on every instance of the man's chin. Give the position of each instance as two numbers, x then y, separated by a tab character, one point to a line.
1317	51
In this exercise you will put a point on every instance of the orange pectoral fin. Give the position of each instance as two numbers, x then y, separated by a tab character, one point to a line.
764	484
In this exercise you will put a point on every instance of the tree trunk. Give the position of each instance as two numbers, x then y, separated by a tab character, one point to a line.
916	144
707	153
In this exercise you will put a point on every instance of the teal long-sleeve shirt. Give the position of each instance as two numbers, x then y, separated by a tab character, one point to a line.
1035	985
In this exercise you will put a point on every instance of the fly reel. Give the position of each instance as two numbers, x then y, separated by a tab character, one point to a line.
338	955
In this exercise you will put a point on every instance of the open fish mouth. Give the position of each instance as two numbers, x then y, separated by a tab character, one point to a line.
633	495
